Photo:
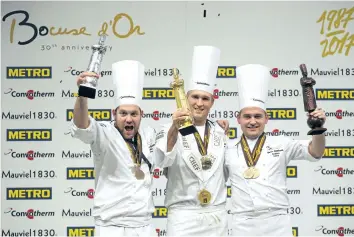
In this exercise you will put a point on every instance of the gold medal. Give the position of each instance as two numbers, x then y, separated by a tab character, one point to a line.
204	197
256	173
251	173
248	174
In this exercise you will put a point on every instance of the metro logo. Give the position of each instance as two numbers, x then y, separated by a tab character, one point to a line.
232	133
80	231
28	72
228	194
80	173
291	171
226	72
160	212
97	114
335	210
335	94
281	113
339	152
158	94
295	231
28	135
28	193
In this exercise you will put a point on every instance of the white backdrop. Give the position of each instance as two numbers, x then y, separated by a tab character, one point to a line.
281	35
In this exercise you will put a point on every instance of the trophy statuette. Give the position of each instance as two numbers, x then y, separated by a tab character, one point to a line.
310	105
88	89
186	127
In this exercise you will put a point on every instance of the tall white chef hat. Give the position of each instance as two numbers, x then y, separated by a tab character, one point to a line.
253	80
128	78
204	68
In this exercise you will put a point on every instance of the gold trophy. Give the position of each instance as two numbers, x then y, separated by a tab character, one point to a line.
186	127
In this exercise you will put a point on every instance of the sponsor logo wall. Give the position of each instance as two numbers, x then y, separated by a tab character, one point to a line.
48	177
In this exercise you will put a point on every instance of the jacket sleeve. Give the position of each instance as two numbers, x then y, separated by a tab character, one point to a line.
92	135
299	150
163	158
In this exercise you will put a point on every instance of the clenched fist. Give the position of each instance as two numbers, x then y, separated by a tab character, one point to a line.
179	116
81	79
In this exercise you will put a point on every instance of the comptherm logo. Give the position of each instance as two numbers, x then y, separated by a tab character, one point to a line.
157	115
339	152
340	231
281	113
29	155
339	172
276	72
28	135
277	132
335	210
97	114
340	114
157	173
80	173
29	94
76	72
90	193
44	193
161	232
222	93
30	213
335	94
29	72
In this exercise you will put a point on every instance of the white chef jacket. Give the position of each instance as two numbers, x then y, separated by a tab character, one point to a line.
265	196
120	199
185	180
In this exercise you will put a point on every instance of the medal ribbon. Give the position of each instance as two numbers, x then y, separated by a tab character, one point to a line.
135	153
203	146
252	159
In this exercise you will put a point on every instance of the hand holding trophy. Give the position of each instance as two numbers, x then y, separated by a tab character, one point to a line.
88	89
186	126
308	94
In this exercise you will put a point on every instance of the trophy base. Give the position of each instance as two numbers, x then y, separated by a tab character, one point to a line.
317	131
187	130
88	92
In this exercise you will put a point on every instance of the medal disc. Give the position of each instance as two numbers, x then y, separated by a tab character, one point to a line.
256	173
248	174
204	197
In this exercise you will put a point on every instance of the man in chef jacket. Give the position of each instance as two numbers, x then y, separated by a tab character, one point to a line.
259	199
123	156
196	189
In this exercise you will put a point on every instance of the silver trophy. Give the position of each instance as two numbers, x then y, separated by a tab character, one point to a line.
88	89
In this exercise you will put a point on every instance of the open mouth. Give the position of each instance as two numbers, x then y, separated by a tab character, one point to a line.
129	128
